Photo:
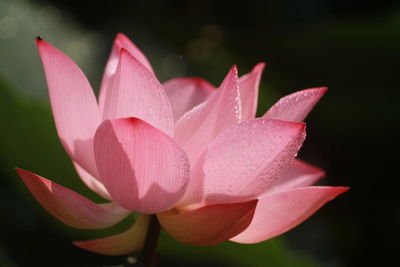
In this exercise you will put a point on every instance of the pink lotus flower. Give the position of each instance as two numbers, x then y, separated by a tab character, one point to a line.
184	150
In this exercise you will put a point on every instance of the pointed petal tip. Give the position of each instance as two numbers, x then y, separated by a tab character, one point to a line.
295	124
260	66
122	37
39	41
71	97
24	174
234	68
322	90
299	125
120	34
341	190
235	73
334	190
318	91
296	106
42	42
137	92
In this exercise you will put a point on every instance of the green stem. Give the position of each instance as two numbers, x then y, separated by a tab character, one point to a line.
150	254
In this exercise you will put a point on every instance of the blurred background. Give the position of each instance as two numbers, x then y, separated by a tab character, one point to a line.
351	48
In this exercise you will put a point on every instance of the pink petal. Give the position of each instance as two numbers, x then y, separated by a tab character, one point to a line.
198	127
127	242
245	160
94	184
70	207
248	87
299	174
73	103
279	212
142	168
296	106
208	225
121	41
186	93
136	92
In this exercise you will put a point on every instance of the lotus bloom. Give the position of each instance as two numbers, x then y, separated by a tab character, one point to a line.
192	154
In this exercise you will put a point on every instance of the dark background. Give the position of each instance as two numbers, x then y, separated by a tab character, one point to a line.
353	48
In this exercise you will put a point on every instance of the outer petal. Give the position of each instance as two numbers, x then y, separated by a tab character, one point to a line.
142	168
121	41
208	225
296	106
125	243
136	92
299	174
70	207
186	93
245	160
279	212
94	184
198	127
248	87
73	103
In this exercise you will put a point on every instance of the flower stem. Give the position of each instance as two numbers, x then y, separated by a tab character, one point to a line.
149	253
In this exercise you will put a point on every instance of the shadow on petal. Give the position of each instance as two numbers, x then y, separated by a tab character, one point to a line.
208	225
142	168
124	243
